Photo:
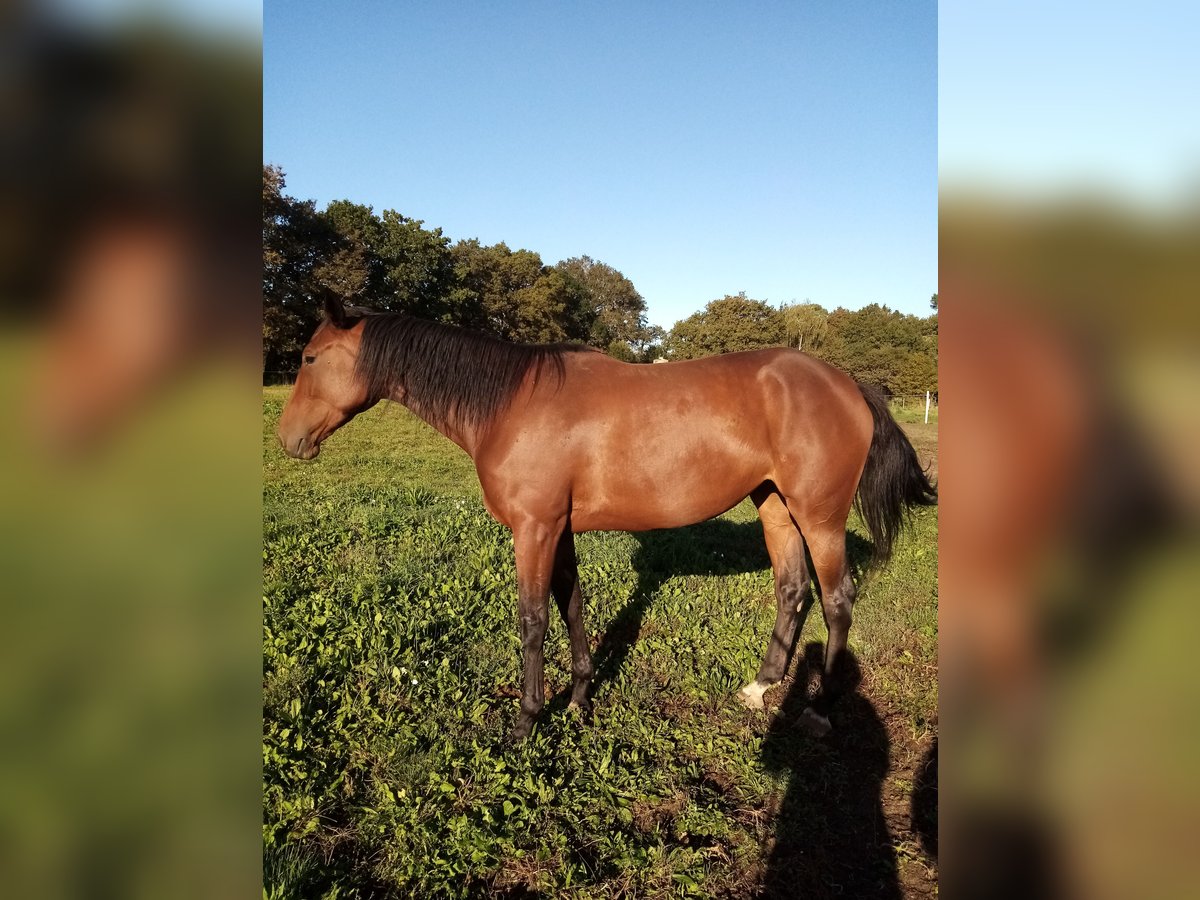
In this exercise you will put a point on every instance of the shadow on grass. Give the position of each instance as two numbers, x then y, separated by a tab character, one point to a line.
831	836
715	547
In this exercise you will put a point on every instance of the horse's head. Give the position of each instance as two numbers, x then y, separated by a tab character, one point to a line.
328	392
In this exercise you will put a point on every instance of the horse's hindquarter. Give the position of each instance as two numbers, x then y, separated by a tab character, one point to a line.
634	447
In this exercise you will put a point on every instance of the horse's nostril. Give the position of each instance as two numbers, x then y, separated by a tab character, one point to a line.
292	447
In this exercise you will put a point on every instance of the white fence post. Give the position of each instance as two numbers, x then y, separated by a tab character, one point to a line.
927	407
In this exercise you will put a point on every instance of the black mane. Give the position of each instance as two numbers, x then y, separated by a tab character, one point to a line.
449	373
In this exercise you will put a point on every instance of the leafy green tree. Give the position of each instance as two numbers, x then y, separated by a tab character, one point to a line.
551	309
929	342
916	373
648	344
488	279
295	242
806	325
726	325
513	295
617	310
355	268
478	284
391	262
877	345
622	351
419	268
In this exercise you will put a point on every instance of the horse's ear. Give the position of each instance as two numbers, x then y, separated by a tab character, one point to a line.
335	310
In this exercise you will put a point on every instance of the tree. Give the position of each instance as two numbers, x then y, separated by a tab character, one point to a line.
488	279
725	325
806	325
883	347
648	344
419	268
513	295
295	241
916	374
390	262
617	310
355	269
551	309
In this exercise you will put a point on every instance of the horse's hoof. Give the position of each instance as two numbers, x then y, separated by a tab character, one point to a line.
583	708
522	729
814	723
752	695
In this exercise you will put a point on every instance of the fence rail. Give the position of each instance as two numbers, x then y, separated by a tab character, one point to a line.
913	399
914	407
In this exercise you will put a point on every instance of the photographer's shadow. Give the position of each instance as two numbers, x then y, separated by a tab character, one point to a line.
831	835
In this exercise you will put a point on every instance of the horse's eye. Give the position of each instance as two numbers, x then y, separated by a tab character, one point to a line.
309	360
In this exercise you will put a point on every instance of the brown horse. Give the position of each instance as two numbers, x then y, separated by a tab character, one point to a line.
567	440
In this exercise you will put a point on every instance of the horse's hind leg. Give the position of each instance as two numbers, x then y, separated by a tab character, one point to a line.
786	549
565	585
827	545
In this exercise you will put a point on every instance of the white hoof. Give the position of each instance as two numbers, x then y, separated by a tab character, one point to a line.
752	695
814	723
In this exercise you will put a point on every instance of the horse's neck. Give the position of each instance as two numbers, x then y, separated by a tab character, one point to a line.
458	429
464	436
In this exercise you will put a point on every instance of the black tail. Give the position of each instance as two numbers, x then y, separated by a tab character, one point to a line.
892	480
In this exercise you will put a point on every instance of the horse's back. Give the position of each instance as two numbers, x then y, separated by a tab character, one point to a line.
763	394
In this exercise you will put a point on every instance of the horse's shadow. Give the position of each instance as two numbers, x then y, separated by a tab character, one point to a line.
715	547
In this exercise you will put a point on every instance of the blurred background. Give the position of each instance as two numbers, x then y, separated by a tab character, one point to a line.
1069	257
130	660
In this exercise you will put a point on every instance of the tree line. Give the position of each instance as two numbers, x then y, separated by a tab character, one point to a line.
876	345
390	262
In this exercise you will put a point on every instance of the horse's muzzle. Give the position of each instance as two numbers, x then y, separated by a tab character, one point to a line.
300	448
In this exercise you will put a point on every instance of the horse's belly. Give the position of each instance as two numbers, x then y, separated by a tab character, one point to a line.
641	497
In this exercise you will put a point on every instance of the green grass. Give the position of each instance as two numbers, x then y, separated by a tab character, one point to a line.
390	672
911	410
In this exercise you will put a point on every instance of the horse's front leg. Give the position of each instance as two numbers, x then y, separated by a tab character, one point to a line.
535	543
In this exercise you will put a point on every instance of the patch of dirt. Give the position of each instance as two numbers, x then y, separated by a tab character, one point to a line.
524	876
648	817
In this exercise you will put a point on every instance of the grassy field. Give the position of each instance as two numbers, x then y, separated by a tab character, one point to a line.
391	668
911	411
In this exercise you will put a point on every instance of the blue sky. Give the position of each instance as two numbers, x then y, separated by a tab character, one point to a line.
786	150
